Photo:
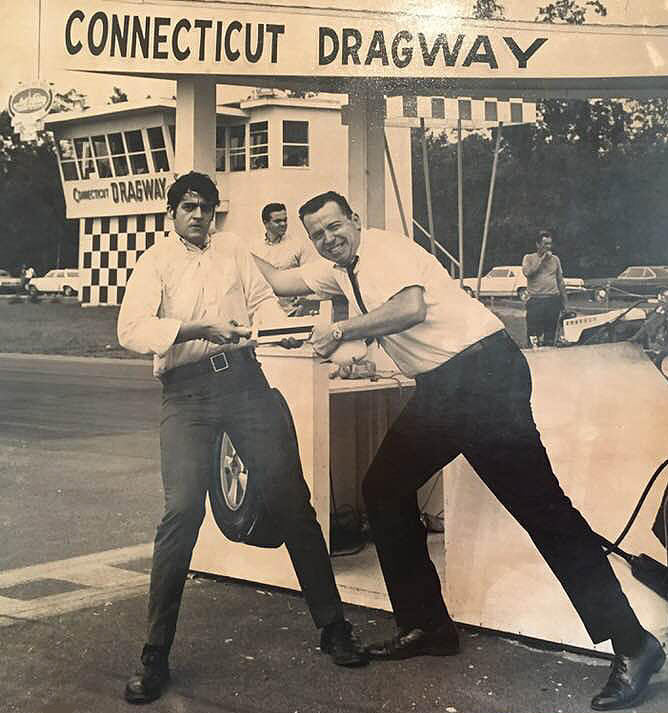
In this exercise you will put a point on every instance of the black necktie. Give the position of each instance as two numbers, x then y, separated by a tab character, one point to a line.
350	269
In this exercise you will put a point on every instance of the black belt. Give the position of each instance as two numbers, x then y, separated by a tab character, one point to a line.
496	339
214	364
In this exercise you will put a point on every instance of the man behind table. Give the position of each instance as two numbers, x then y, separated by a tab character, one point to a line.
190	302
281	248
472	396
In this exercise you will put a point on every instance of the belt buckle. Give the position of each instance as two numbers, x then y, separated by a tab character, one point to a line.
213	359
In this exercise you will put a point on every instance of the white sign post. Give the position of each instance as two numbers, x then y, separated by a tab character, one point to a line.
28	106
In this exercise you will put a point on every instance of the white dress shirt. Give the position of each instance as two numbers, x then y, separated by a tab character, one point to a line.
175	281
388	263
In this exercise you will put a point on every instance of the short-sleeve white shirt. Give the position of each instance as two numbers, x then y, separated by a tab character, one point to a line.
388	263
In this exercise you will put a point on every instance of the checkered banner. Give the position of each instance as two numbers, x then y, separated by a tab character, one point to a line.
108	251
445	112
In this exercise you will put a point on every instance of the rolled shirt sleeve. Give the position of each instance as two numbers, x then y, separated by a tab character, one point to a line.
140	328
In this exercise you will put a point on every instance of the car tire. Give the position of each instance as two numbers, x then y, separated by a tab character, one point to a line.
33	291
523	293
68	291
601	294
236	499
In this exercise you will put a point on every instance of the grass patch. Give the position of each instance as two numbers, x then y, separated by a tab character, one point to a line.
45	326
62	327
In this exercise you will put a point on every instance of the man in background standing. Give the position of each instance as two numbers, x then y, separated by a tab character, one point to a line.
281	249
547	291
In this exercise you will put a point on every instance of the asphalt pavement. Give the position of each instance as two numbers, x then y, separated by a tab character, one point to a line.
79	499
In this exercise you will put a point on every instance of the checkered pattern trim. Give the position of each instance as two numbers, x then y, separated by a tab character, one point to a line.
108	251
477	113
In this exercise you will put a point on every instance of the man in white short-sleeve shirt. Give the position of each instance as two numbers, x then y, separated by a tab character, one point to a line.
472	396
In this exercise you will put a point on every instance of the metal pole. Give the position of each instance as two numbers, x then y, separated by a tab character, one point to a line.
460	201
489	207
453	259
388	155
427	185
39	36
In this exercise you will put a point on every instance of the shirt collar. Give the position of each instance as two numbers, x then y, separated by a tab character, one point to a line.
191	247
273	241
359	256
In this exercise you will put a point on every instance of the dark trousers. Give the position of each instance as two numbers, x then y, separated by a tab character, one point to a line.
543	317
478	404
194	413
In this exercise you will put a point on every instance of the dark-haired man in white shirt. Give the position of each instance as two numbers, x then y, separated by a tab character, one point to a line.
190	302
472	396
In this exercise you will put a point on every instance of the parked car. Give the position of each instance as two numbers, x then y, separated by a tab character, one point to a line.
509	281
637	281
9	283
66	282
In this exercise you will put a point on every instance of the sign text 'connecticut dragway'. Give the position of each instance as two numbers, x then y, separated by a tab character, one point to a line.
224	38
109	34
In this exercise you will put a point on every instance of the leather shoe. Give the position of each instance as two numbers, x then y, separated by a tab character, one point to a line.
629	676
148	682
443	641
337	640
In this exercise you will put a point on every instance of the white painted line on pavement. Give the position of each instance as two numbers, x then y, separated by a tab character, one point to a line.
59	568
101	583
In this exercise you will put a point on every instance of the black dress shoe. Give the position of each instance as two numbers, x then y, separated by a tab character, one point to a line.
443	641
148	682
337	640
629	677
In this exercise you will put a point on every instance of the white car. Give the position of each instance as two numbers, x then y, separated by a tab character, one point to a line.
509	281
9	283
66	282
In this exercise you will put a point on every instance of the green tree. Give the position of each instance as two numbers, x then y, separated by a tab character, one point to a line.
608	210
32	207
487	10
570	11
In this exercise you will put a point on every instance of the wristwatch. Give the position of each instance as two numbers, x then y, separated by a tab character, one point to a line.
336	333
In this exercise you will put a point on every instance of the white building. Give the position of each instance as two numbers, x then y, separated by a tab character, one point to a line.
116	165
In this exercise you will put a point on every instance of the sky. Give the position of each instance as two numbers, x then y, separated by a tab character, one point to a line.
19	41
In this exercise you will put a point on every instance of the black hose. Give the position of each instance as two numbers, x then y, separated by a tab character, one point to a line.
614	546
665	525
